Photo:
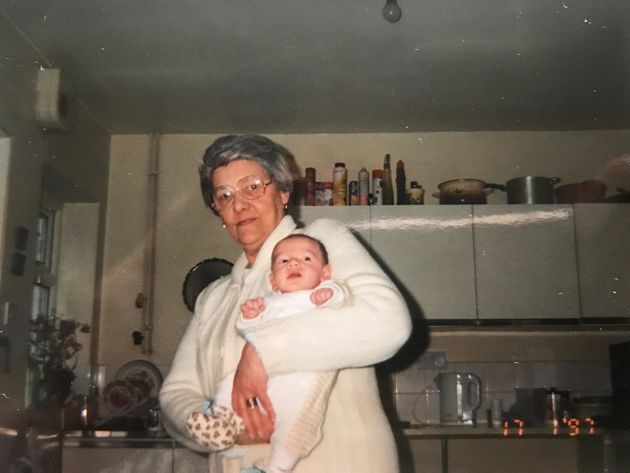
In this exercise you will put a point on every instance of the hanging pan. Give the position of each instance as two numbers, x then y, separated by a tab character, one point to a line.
200	275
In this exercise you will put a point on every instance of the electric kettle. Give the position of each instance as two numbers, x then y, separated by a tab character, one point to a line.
460	396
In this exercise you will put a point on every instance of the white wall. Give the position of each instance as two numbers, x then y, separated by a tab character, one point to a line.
5	150
72	166
188	233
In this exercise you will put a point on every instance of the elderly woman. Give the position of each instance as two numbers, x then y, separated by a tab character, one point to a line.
247	182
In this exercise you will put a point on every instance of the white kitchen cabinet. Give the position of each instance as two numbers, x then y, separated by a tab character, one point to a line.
525	262
356	217
189	461
603	252
525	455
466	453
123	460
421	456
500	261
429	251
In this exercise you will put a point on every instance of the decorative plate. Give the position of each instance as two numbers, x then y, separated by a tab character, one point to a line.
143	375
119	397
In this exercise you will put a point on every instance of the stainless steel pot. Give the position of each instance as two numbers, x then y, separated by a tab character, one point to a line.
465	191
531	190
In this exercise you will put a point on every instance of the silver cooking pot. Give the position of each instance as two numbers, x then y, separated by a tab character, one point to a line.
531	190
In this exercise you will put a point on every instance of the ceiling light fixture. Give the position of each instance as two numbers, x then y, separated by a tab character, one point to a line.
391	11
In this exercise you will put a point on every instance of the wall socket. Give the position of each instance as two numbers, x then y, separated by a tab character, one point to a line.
432	360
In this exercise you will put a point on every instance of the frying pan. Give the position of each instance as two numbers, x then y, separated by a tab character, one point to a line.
200	275
465	191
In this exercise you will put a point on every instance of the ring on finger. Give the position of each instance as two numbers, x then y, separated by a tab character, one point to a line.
251	403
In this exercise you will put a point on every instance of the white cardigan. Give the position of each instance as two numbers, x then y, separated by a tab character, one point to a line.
356	434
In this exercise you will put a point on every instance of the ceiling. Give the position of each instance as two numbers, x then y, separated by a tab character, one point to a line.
309	66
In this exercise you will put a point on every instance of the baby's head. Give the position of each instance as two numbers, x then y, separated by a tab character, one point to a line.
298	262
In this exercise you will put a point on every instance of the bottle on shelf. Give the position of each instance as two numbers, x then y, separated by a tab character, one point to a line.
340	184
388	188
416	194
319	193
377	187
309	186
353	193
401	184
328	193
364	186
298	196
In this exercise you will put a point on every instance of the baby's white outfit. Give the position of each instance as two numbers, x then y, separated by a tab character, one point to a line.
299	398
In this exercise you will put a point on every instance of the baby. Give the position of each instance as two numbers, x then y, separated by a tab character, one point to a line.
300	278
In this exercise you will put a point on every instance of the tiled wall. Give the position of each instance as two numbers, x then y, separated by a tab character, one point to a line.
505	360
417	394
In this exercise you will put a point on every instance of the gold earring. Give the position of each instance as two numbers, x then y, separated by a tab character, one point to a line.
224	226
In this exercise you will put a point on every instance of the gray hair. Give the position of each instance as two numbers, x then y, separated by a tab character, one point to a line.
275	159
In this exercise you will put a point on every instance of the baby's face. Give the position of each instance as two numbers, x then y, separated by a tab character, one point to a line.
297	264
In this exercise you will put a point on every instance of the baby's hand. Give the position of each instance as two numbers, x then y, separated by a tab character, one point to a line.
252	308
321	295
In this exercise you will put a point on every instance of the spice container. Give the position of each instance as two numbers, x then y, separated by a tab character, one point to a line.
364	186
416	194
328	192
340	183
353	193
298	196
377	187
319	193
309	186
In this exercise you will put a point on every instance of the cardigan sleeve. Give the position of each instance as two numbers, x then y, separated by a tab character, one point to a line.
370	329
182	391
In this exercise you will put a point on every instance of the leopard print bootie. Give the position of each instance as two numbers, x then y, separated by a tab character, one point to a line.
218	430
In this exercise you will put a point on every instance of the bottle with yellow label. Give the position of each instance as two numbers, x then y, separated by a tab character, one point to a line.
340	184
416	194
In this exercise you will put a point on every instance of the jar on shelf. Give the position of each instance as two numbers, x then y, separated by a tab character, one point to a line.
416	194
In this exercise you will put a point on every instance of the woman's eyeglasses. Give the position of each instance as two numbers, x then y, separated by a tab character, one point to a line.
250	187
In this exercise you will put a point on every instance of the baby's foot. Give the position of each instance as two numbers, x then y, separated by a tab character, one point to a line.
216	431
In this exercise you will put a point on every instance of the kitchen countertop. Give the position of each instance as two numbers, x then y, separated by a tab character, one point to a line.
118	439
160	439
482	431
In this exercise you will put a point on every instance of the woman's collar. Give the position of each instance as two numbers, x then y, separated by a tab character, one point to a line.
263	259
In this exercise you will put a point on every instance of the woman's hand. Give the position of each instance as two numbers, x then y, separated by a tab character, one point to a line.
250	382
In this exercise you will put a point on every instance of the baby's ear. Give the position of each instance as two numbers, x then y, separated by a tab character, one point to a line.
273	282
326	272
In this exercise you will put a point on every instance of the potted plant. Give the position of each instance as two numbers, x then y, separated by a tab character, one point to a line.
53	354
